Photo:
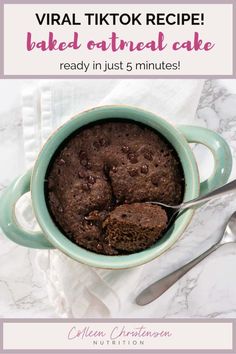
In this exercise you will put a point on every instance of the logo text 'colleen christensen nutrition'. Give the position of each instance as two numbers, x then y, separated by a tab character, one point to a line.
116	335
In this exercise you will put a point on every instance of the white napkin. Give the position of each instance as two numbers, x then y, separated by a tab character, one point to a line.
74	289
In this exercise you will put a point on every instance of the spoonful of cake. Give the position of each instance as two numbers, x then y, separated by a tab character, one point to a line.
136	226
216	193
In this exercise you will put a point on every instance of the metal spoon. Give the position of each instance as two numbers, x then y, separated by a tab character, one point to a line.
155	290
216	193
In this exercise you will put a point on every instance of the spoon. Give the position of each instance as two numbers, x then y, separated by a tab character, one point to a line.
216	193
156	289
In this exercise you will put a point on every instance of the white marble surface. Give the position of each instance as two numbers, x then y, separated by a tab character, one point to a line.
22	290
209	290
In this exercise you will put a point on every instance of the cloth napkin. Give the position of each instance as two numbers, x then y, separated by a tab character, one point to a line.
74	289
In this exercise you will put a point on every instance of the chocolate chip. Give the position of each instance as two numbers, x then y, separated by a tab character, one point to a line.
85	187
89	165
84	162
155	180
81	174
96	145
82	155
133	172
61	162
99	247
132	158
91	179
103	142
106	169
114	169
148	156
144	169
94	215
125	149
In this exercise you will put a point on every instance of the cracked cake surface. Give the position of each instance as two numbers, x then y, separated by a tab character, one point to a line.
105	168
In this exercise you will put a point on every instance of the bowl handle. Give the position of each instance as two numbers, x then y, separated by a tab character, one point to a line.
8	222
220	151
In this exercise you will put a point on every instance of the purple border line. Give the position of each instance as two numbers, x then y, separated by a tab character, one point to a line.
234	336
125	77
1	39
118	351
1	336
208	2
234	38
117	320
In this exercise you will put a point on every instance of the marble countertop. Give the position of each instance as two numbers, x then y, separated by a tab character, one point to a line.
209	290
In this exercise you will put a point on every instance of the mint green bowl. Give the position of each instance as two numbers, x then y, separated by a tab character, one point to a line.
52	237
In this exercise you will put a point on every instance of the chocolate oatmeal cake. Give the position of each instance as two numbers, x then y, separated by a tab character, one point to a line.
101	177
139	222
